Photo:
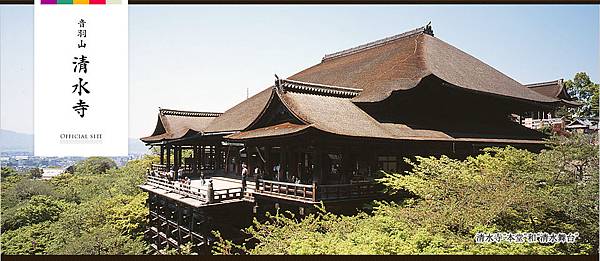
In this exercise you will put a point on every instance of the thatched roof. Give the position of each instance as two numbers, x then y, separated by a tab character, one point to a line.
400	62
240	116
175	124
554	89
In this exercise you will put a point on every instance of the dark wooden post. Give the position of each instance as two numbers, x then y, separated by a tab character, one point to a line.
314	191
256	183
195	161
176	162
168	157
201	156
162	154
180	157
191	213
226	167
218	157
178	206
249	160
318	169
284	162
268	162
292	164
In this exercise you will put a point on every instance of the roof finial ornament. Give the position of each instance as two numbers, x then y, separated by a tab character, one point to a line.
278	82
428	29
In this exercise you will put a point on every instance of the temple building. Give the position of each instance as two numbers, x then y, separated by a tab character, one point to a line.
548	118
325	133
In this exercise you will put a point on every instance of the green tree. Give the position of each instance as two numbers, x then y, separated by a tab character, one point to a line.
36	173
102	240
7	172
28	240
39	208
501	190
94	165
585	91
97	210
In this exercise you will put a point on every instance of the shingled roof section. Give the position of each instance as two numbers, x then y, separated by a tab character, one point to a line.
400	62
554	89
175	124
240	116
330	109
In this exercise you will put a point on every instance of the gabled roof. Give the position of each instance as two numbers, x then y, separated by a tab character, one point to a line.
328	109
175	124
400	62
580	123
554	89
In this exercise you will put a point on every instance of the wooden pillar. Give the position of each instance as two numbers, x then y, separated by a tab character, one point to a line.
168	157
195	159
226	167
201	156
293	164
175	159
348	163
318	169
299	166
250	162
179	157
268	162
191	215
162	154
179	241
218	157
238	164
282	163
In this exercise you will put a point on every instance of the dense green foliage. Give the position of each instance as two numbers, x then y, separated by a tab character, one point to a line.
502	190
94	165
98	209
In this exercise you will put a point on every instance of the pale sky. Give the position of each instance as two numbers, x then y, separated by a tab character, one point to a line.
205	57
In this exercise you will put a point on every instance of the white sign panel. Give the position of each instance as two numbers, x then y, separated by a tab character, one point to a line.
81	80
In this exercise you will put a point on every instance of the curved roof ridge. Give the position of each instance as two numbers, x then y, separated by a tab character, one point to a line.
188	113
318	89
540	84
421	30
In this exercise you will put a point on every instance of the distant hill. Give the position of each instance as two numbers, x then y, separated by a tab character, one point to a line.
14	141
11	141
136	146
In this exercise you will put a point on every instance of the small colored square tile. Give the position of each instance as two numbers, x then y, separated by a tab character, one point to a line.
64	2
113	2
48	2
81	2
97	2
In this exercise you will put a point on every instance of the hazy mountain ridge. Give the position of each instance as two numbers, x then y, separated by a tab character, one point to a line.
11	141
15	141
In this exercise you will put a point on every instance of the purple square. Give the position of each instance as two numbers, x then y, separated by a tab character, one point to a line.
48	2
